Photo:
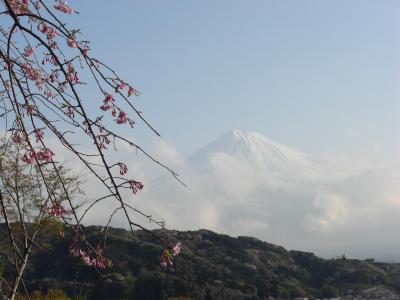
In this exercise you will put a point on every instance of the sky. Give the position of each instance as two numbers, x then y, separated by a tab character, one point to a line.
317	76
320	76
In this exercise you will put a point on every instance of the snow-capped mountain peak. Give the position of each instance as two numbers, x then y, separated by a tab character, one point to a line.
256	149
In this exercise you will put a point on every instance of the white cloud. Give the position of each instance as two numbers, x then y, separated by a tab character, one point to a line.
332	211
322	214
345	209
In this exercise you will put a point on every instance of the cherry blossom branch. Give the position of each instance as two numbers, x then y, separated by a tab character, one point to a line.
40	99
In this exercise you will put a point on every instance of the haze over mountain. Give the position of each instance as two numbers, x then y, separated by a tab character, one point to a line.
243	183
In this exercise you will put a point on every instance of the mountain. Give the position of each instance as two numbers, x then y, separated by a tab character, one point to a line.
243	183
256	150
211	266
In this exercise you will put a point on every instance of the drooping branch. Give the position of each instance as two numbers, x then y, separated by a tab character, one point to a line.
40	99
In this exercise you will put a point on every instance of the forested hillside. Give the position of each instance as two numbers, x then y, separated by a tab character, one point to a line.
211	266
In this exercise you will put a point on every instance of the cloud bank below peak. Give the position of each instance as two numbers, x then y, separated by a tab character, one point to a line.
243	183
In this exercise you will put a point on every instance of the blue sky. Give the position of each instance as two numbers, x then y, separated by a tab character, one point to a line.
320	76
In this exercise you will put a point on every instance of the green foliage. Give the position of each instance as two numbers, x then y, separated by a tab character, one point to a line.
52	294
330	292
149	287
211	266
113	286
26	188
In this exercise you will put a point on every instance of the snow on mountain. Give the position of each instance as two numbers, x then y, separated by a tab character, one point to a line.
256	150
243	183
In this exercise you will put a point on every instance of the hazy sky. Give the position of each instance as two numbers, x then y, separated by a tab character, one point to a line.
320	76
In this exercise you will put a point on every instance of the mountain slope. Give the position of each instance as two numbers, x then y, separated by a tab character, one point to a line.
256	150
211	266
245	184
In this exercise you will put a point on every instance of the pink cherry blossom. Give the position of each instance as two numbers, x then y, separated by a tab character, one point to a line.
29	110
163	263
32	74
51	33
63	7
29	157
108	98
99	261
17	6
89	258
71	68
176	249
123	169
46	155
42	27
53	60
72	43
122	117
39	83
49	94
121	86
105	107
103	263
71	73
39	135
131	91
107	102
166	259
70	112
73	77
73	246
57	210
135	186
17	138
28	51
87	261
